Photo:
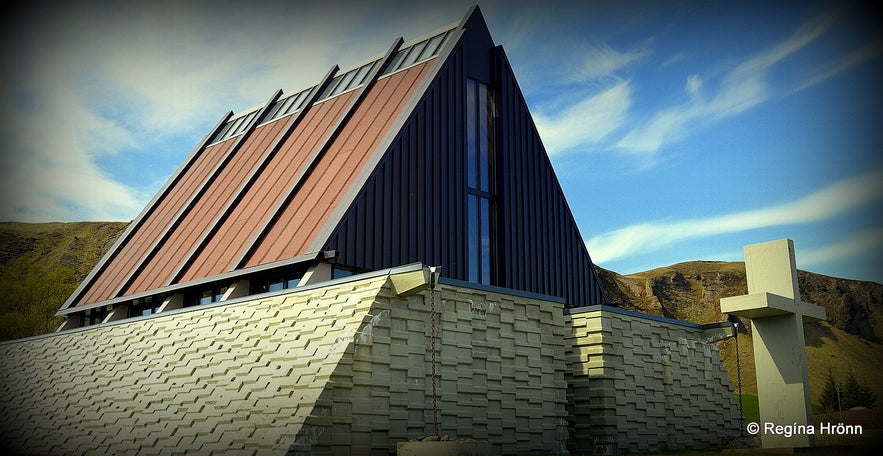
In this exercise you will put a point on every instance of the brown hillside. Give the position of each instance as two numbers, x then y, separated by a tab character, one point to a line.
77	245
691	291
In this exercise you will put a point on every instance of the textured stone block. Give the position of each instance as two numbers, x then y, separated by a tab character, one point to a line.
638	371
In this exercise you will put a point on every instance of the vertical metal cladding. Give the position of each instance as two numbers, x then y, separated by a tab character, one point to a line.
545	251
413	207
301	218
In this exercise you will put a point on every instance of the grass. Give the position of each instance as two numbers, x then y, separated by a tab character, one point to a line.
750	410
828	349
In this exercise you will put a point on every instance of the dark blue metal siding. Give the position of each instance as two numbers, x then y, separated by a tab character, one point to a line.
413	207
546	253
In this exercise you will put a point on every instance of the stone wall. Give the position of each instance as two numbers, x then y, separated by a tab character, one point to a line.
639	383
345	369
341	369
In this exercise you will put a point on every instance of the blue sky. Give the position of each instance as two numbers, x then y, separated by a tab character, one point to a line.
679	130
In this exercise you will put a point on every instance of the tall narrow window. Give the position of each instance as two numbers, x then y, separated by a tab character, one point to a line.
479	181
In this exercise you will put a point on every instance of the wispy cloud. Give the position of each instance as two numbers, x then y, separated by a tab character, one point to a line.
824	204
595	62
693	85
846	62
743	87
586	122
589	101
138	84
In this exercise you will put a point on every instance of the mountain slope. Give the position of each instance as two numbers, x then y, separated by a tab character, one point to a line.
40	266
77	245
849	341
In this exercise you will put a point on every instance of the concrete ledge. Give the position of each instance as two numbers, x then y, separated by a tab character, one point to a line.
407	284
812	312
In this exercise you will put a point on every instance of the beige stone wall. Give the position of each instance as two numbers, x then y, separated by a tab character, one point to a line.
337	370
643	384
500	367
344	369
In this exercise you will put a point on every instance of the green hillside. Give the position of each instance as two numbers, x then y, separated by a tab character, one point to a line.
40	266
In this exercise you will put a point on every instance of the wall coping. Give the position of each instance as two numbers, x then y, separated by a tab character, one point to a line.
387	272
306	288
645	316
501	290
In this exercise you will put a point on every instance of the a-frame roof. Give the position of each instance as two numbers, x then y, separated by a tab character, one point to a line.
271	186
262	184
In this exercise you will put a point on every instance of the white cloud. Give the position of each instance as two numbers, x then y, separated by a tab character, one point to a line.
693	85
586	122
158	70
667	126
824	204
740	89
50	177
588	98
601	61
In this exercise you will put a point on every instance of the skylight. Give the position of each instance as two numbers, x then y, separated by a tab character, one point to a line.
418	52
288	105
405	57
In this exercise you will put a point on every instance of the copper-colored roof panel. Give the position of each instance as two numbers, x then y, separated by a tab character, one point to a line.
324	188
146	234
205	209
301	219
257	203
262	197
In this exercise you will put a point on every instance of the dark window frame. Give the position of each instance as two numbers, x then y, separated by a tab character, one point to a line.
276	280
206	295
145	306
481	199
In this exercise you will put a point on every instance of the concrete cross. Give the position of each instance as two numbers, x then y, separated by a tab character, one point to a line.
777	315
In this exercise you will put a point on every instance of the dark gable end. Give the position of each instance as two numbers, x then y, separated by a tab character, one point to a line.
425	154
415	205
546	252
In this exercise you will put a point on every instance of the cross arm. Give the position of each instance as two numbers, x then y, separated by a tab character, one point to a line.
762	305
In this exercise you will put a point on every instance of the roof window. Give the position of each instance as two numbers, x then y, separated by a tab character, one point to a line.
349	80
418	52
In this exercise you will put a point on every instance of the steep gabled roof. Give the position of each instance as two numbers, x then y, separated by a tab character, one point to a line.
261	185
365	161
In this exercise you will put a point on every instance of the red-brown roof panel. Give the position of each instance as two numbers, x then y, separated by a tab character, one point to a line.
324	188
140	240
301	219
258	202
206	208
268	199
